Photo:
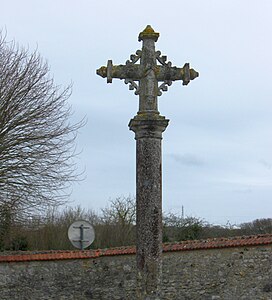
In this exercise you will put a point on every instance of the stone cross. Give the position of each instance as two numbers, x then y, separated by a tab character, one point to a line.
149	80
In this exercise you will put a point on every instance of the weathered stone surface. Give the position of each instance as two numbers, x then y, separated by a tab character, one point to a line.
148	74
148	130
188	275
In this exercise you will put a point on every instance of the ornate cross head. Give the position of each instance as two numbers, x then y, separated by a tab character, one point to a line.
148	78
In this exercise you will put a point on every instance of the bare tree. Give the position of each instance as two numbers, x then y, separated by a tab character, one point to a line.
50	230
258	226
36	137
118	221
179	228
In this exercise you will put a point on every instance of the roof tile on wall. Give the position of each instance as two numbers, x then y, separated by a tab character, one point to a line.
216	243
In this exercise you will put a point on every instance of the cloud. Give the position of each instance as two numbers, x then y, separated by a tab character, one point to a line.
245	182
246	190
265	164
187	159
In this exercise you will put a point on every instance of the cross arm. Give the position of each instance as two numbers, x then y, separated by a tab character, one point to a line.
131	71
169	73
136	72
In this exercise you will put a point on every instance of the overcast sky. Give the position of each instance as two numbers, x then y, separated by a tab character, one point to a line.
217	159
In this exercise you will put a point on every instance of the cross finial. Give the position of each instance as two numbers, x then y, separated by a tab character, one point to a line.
148	33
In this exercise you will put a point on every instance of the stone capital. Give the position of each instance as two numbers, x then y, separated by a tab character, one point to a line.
148	125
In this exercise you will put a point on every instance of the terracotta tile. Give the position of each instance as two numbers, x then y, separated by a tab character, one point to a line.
181	246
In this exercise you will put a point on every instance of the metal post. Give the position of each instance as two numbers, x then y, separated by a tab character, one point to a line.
81	227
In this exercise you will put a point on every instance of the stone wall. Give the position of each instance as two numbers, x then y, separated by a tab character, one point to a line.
243	272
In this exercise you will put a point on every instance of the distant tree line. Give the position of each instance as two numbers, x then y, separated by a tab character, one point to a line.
114	226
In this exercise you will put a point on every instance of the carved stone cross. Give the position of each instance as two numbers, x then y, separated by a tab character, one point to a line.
149	80
148	73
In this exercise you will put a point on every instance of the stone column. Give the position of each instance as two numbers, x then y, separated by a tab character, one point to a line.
148	126
148	130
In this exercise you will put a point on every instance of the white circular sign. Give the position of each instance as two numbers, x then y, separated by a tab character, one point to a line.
81	234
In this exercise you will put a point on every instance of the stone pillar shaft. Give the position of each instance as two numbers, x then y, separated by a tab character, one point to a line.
148	135
148	214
